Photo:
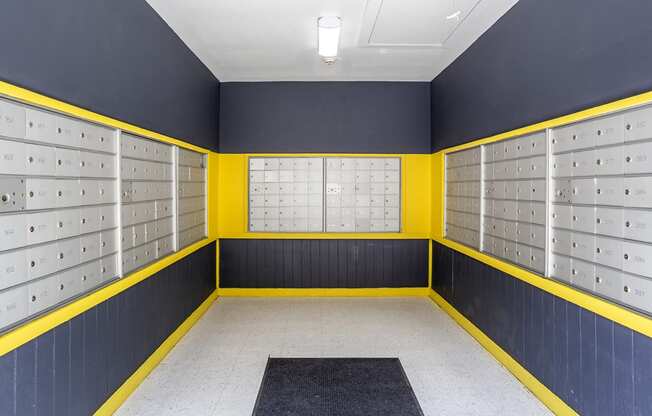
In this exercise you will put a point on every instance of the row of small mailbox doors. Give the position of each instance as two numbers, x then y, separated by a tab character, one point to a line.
631	159
20	194
317	163
317	225
23	301
133	191
630	256
615	284
317	188
344	214
22	265
31	159
348	177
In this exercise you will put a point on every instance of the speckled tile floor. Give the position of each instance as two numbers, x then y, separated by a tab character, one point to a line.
216	368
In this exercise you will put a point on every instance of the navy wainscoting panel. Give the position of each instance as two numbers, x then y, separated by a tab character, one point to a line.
117	58
543	59
595	365
325	117
74	368
252	263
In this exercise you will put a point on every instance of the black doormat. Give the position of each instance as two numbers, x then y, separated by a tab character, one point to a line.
335	387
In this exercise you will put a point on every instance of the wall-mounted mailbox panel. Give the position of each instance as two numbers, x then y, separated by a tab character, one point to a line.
147	182
58	195
191	202
603	193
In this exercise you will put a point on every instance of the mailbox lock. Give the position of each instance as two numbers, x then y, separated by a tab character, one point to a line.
598	279
626	191
628	159
626	256
598	162
33	298
626	289
598	250
5	197
598	220
628	126
61	287
627	224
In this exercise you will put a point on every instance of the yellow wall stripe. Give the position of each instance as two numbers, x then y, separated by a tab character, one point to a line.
32	329
33	98
550	399
415	199
131	384
372	292
626	317
636	100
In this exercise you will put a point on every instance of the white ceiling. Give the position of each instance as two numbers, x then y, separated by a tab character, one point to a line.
382	40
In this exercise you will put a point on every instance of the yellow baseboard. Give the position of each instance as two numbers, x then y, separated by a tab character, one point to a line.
547	397
132	383
372	292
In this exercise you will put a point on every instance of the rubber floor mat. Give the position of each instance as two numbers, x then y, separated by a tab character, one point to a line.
335	387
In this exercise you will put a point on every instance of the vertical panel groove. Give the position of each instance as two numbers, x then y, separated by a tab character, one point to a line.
323	263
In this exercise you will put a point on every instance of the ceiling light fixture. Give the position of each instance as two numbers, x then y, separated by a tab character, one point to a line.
329	37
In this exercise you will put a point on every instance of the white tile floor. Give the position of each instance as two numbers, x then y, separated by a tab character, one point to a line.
217	367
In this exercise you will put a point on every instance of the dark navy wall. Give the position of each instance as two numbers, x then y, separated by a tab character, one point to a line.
248	263
72	369
595	365
543	59
117	58
322	117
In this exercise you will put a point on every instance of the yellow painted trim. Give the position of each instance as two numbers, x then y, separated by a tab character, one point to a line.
40	100
326	236
438	191
416	198
212	188
547	397
600	110
131	384
372	292
40	325
626	317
